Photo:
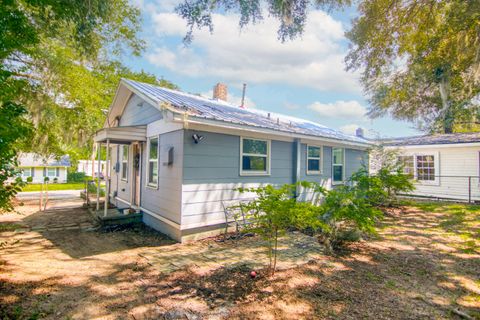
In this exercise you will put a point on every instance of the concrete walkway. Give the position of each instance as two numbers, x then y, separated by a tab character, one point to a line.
294	249
52	195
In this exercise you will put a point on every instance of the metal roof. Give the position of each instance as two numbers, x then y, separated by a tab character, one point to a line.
218	110
451	138
35	160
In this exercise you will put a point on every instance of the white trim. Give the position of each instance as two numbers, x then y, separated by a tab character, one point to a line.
237	129
124	201
343	168
444	145
320	158
148	184
161	218
122	163
267	162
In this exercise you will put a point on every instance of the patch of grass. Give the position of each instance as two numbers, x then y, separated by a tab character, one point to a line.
390	284
55	186
9	227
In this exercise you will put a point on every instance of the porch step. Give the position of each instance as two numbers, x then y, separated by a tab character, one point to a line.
116	216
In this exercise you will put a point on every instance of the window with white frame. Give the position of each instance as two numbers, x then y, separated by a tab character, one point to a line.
338	164
124	162
254	156
51	172
153	162
425	167
314	164
407	164
27	172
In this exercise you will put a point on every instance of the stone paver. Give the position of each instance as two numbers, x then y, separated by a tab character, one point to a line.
294	249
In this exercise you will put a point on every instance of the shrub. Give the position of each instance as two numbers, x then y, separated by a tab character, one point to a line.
92	189
76	176
55	180
382	188
29	179
275	210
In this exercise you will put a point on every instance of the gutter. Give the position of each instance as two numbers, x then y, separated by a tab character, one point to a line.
218	124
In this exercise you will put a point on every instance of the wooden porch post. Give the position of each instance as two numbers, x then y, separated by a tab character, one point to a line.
107	179
99	148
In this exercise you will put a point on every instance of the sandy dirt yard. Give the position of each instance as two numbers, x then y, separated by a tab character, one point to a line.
424	264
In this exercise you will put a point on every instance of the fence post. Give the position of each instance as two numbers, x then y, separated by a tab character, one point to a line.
469	189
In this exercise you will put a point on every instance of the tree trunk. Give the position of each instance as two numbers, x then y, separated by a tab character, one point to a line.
447	112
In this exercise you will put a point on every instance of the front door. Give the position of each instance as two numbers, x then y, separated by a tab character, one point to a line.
136	173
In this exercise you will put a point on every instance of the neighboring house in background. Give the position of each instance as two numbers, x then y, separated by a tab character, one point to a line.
90	167
445	166
178	157
37	167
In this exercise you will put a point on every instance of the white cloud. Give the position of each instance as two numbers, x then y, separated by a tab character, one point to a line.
340	109
234	100
255	55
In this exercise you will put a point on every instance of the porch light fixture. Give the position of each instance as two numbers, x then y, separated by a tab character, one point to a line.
197	138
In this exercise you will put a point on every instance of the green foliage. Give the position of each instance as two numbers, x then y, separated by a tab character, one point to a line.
275	210
381	188
419	60
76	176
291	14
92	189
14	128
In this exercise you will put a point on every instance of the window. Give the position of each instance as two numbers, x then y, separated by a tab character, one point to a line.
27	172
153	162
408	165
124	162
314	165
338	164
425	167
254	157
51	172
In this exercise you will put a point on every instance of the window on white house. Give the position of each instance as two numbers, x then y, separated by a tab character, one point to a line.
27	172
407	164
255	156
314	165
153	162
124	162
425	167
338	164
51	172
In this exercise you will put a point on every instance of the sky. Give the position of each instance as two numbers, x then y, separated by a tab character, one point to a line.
304	78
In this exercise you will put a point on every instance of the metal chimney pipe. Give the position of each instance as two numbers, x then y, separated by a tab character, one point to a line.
242	105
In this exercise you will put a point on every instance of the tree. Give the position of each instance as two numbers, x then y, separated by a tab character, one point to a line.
420	59
58	61
13	128
292	14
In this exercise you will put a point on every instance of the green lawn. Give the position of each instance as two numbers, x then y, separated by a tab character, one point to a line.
55	186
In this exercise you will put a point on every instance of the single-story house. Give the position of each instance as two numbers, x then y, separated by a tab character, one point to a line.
178	157
38	167
445	166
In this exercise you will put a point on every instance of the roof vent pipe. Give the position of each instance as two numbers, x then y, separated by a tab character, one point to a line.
359	133
242	105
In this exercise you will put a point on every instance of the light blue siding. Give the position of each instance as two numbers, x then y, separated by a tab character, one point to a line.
216	159
165	200
354	160
211	173
139	112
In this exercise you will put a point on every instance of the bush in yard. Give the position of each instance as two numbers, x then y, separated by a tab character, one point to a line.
55	180
29	179
76	176
275	210
345	212
382	188
92	189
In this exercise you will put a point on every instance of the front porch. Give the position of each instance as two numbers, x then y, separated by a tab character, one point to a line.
107	209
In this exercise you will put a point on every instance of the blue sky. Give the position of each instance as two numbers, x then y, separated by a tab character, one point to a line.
304	78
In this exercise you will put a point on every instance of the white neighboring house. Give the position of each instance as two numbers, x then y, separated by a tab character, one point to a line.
444	166
37	167
89	168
